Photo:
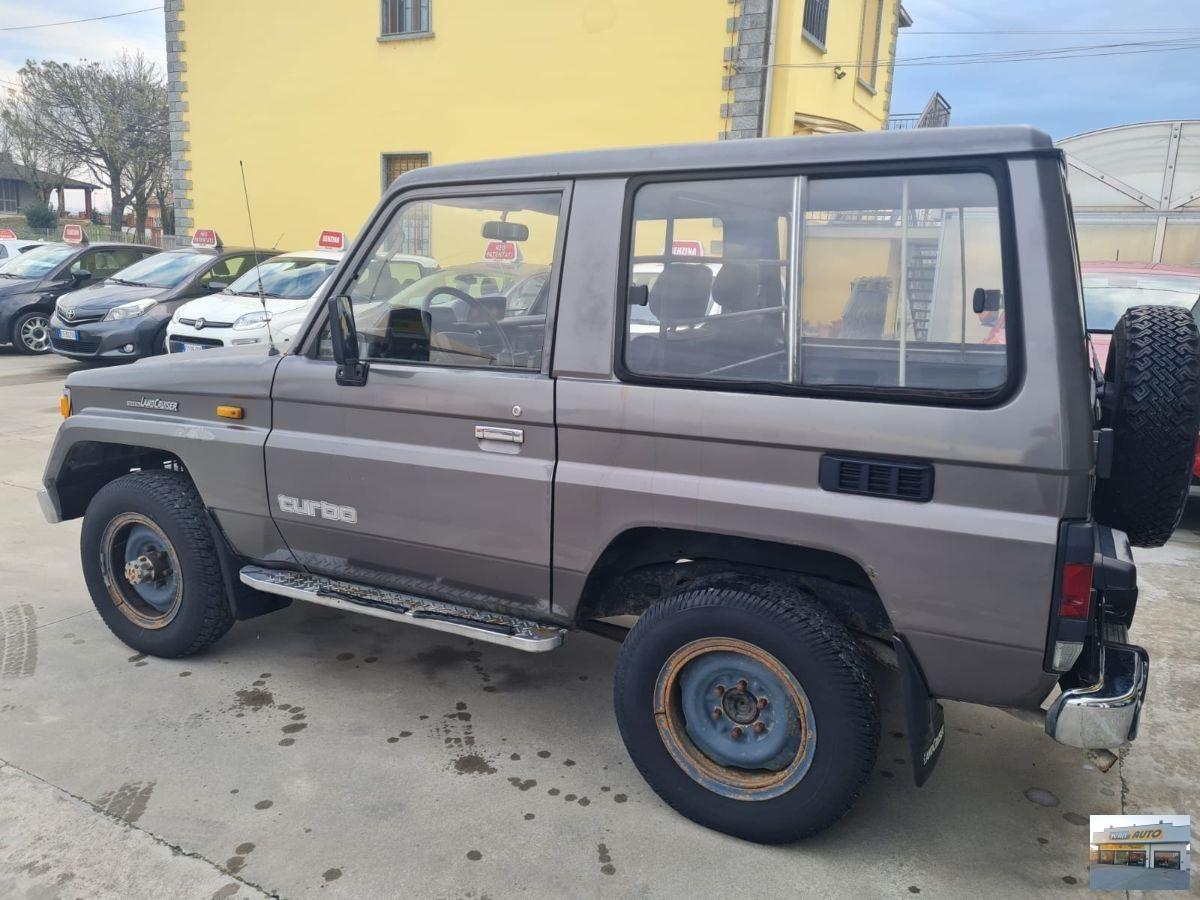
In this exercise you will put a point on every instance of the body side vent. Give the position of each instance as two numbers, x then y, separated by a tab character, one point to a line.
877	477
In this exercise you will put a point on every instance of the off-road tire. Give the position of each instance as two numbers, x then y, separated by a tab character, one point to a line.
1153	406
820	653
170	500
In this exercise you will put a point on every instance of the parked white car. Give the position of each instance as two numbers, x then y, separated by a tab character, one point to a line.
10	247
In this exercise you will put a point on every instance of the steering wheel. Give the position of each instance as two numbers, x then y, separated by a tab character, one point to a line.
427	301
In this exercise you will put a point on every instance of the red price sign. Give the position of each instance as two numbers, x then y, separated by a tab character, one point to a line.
73	234
332	240
205	237
687	248
505	251
7	234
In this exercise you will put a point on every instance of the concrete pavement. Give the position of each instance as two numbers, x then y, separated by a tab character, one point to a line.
314	754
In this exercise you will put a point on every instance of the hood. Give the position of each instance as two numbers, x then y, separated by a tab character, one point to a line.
17	285
227	307
105	295
1100	341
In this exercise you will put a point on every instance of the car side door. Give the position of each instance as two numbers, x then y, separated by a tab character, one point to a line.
434	476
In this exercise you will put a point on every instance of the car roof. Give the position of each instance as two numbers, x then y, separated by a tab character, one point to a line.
1145	268
334	255
874	146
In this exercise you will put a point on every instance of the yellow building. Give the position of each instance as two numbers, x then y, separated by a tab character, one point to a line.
327	102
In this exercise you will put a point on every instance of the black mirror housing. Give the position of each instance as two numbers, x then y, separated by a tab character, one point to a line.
81	274
351	370
215	286
986	300
505	231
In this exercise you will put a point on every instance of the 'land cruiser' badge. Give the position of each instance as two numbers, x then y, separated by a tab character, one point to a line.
154	403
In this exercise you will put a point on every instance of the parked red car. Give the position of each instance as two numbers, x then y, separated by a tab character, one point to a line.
1110	288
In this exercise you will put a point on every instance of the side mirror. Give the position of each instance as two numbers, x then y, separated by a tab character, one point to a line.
215	286
81	275
986	300
342	335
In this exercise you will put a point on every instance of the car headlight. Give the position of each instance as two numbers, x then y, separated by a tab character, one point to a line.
252	320
130	310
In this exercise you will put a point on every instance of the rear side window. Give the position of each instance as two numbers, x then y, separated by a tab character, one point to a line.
892	282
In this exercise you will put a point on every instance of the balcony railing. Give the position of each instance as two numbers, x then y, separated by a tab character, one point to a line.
936	114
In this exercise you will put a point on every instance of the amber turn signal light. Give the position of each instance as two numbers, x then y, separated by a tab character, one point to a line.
230	412
64	403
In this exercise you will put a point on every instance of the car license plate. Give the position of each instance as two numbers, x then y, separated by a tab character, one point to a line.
185	347
66	334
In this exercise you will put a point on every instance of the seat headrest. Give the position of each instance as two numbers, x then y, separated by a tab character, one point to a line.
740	286
681	292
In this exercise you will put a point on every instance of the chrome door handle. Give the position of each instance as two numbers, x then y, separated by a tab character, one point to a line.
508	435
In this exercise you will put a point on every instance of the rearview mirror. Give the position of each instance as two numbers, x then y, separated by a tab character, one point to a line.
505	231
215	286
344	337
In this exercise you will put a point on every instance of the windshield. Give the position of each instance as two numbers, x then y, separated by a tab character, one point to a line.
482	279
37	263
287	279
1107	295
163	270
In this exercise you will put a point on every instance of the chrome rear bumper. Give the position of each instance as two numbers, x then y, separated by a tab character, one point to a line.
1104	715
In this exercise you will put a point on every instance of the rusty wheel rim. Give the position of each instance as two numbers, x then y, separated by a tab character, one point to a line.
709	752
141	571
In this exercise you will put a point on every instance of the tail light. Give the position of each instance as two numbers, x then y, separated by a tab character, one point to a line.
1075	599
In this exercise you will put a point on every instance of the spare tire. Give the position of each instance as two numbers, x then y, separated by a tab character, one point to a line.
1152	402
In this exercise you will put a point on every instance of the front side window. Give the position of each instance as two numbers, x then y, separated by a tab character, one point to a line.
475	309
103	263
405	17
895	283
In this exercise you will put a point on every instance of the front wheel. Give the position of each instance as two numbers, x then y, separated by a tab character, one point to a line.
31	332
151	566
749	709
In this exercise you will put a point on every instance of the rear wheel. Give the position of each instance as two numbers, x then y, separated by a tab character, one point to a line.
1152	403
31	332
151	565
749	709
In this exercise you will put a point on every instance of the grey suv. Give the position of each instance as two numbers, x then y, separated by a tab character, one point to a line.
844	408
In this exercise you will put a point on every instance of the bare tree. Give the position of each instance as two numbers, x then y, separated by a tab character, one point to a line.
111	116
45	164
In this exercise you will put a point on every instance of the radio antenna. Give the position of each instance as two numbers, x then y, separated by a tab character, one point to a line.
262	297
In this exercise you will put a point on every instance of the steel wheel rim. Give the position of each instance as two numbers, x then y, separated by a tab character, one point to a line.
35	333
141	571
781	690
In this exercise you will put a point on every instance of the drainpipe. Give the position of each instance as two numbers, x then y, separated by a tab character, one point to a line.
772	32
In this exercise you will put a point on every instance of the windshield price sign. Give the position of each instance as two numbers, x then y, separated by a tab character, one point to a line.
73	234
687	248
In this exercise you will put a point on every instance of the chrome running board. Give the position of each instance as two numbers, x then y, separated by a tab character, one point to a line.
396	606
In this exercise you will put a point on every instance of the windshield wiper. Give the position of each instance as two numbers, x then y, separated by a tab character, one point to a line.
116	280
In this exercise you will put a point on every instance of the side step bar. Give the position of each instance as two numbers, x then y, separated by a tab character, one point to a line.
492	628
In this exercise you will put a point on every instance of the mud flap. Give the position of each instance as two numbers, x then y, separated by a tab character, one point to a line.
924	715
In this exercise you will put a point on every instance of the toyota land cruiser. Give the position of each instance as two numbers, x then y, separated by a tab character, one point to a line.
781	400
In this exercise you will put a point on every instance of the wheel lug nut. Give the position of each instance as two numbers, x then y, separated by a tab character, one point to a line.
742	685
759	727
762	702
736	733
720	690
716	714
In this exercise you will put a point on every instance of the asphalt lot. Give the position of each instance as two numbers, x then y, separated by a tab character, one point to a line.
312	754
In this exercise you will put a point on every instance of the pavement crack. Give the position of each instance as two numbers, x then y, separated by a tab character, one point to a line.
13	484
173	847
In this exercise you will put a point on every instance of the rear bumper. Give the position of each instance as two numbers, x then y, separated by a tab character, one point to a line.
1104	715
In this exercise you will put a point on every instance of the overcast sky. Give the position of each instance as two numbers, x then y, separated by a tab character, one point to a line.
1063	97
